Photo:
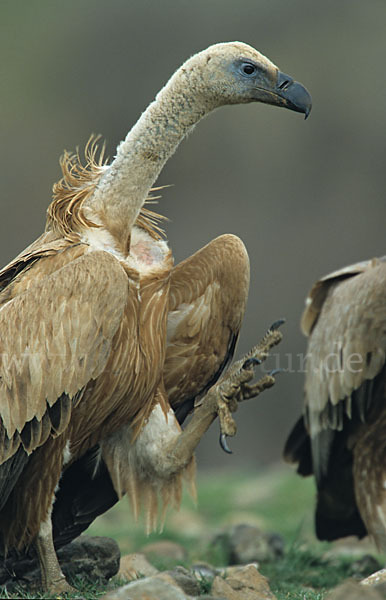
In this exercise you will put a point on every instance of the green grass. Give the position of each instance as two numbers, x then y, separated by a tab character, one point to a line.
303	575
276	501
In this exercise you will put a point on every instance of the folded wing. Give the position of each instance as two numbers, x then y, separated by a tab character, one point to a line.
208	296
55	336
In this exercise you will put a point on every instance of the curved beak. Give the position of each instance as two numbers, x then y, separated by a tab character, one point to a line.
293	93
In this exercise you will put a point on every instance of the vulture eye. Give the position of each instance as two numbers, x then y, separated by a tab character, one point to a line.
248	69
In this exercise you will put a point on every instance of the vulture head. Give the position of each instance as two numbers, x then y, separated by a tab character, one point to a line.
236	73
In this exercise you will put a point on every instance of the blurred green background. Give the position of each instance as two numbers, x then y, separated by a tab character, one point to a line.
306	197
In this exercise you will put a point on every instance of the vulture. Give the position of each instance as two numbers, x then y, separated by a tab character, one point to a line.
341	436
106	346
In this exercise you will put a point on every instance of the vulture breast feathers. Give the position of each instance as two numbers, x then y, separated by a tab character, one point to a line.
341	436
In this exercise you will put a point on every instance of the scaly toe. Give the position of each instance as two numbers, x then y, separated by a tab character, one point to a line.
62	589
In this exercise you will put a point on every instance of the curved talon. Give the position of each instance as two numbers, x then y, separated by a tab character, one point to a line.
250	362
276	324
224	443
276	371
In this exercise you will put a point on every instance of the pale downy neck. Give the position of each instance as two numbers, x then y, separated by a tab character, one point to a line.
125	184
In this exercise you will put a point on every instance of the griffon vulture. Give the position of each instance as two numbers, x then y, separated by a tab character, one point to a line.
102	339
341	435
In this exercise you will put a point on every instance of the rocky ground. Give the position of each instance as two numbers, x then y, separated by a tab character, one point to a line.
241	580
245	551
251	538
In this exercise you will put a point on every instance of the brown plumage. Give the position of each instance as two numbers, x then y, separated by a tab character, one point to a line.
341	437
104	343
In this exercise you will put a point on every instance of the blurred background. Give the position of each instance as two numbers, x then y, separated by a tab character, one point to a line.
306	197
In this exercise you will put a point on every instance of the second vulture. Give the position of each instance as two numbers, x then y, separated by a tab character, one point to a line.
341	436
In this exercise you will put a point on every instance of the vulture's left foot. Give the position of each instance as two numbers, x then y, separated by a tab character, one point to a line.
222	400
62	589
234	387
52	578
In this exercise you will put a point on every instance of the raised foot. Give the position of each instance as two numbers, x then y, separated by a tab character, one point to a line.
234	387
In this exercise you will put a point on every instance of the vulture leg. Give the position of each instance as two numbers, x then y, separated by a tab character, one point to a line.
222	399
53	580
153	465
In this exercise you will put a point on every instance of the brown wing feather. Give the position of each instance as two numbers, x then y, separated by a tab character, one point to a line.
347	345
319	291
46	245
208	296
55	335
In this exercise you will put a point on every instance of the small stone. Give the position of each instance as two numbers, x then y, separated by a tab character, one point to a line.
150	588
88	557
376	578
135	566
235	569
243	544
244	583
204	571
352	590
165	550
184	579
248	577
276	544
221	588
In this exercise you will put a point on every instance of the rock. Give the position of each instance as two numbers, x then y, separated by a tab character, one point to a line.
165	550
244	583
205	573
376	578
150	588
352	590
135	566
221	588
184	579
243	544
240	583
174	584
235	569
92	558
276	544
